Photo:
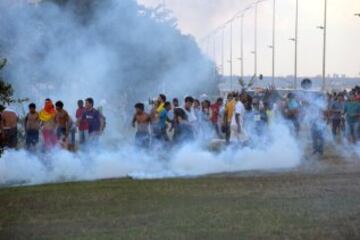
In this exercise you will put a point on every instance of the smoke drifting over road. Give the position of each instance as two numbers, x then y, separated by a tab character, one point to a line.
116	52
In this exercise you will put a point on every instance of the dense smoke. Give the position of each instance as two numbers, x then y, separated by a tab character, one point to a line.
123	160
104	48
118	53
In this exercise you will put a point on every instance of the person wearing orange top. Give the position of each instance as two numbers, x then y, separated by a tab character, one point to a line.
48	124
229	112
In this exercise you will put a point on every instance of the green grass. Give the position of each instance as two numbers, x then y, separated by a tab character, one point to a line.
285	206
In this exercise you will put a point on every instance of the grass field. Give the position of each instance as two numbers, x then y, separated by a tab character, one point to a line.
293	205
320	200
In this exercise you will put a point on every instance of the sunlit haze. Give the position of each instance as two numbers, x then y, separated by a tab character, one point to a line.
200	17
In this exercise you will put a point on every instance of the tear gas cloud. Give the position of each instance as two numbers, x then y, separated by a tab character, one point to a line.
117	52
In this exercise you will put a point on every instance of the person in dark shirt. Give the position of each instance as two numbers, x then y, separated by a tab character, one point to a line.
80	123
93	119
183	129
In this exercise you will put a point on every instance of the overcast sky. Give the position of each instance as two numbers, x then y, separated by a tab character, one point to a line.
199	17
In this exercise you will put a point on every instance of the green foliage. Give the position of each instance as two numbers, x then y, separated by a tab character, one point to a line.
6	90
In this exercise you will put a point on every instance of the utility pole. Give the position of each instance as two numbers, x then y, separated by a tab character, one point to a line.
223	52
231	55
242	48
296	44
273	43
255	38
324	47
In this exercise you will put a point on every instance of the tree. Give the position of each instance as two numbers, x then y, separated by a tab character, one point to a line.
6	90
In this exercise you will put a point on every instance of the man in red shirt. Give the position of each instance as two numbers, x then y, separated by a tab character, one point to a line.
81	123
215	115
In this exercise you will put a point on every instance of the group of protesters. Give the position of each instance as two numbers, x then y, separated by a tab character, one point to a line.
52	126
244	117
241	118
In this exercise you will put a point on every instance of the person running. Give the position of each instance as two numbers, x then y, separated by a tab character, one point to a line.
183	129
32	127
93	119
9	130
204	121
197	110
142	122
352	113
175	103
81	123
164	120
170	115
237	122
63	122
228	115
48	124
188	108
158	119
292	112
215	116
336	110
259	116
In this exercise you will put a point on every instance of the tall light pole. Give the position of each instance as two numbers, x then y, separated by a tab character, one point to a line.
214	55
223	51
324	47
214	47
242	16
324	28
273	43
296	44
296	40
255	37
242	47
231	55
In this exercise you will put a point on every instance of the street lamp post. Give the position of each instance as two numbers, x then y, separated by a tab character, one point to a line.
255	38
324	47
296	43
324	29
242	41
295	40
214	55
242	48
231	55
223	51
273	43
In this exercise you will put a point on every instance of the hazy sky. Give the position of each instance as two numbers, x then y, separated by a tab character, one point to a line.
199	17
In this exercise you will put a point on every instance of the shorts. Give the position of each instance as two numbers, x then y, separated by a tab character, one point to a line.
32	138
142	139
10	138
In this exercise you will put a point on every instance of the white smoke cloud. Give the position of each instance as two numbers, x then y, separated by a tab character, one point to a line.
21	167
117	54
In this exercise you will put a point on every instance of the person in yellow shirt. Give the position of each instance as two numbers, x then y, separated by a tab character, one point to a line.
229	112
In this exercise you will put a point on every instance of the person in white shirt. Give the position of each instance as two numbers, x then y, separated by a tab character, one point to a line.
188	108
237	122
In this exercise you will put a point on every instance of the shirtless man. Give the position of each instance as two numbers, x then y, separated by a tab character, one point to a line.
32	127
62	120
142	122
9	131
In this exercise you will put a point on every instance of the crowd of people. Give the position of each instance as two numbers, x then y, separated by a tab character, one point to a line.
244	117
52	126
